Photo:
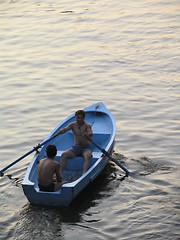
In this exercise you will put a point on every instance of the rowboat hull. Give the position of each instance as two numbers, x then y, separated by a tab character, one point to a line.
104	130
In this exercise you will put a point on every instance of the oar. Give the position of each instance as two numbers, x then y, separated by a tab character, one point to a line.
114	160
26	154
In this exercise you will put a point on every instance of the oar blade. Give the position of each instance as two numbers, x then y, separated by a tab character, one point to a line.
120	165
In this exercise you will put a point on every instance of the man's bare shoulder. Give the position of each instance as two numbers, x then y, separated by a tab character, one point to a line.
55	163
72	125
52	164
42	160
49	161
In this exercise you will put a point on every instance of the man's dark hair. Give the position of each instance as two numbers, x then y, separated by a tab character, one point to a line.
80	112
51	151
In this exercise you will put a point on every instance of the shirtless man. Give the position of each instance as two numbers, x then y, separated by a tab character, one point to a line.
81	132
46	170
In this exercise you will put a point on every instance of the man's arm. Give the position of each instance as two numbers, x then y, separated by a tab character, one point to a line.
59	179
88	132
65	129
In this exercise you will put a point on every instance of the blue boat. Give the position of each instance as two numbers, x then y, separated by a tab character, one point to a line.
104	130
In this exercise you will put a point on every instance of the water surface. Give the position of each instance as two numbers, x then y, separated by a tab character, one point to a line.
57	57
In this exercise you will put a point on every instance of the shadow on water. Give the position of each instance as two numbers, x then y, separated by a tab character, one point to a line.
38	222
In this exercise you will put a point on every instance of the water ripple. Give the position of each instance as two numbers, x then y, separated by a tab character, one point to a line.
57	57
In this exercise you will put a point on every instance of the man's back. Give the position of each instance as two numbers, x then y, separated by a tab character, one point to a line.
47	168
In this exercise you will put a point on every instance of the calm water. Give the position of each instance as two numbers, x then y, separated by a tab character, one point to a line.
60	56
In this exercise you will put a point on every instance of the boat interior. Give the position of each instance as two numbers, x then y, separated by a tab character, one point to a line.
102	132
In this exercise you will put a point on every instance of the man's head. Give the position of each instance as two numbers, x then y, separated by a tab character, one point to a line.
80	112
80	116
51	151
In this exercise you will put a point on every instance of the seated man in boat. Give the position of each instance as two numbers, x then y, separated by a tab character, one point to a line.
46	170
81	132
